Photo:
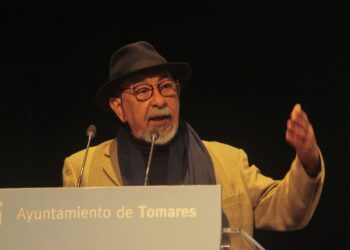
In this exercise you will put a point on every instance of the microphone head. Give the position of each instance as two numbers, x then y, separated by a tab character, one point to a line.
91	131
154	134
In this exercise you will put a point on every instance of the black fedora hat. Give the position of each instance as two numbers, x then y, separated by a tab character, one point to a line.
134	59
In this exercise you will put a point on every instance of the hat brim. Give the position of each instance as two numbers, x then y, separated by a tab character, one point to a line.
179	70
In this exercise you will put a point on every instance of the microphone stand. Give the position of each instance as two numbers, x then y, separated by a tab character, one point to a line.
154	137
91	131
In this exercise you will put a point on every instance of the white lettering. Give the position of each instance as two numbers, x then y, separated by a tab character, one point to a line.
193	212
179	212
21	214
124	213
106	213
64	214
142	210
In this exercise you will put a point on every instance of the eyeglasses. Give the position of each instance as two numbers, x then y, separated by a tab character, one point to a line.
144	91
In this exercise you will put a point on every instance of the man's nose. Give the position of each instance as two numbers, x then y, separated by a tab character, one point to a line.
157	98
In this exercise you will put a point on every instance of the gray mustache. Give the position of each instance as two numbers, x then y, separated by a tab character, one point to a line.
159	112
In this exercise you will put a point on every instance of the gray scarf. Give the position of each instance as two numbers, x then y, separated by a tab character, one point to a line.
188	163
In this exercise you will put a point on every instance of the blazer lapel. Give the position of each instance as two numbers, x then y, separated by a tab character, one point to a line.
104	167
111	167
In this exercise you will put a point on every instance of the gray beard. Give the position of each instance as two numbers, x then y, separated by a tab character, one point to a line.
164	137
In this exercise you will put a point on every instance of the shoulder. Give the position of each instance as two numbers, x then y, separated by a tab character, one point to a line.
100	148
225	154
221	148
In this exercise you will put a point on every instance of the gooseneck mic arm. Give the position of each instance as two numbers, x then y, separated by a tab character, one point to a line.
154	137
90	132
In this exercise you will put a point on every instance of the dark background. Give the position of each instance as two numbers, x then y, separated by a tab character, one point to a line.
251	64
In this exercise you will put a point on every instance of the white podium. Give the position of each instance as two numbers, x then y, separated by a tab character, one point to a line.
127	218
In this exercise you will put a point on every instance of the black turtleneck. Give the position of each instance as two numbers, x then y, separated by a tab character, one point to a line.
159	165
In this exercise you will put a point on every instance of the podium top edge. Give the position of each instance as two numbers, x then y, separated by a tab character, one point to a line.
118	187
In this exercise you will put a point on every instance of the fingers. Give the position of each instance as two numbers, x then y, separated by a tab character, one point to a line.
299	129
307	151
299	139
299	116
300	135
294	139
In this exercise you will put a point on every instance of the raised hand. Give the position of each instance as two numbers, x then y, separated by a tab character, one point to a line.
300	135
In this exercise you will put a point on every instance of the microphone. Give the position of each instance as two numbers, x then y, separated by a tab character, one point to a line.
154	136
90	132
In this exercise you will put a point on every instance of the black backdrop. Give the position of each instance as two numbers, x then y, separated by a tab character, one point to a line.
251	64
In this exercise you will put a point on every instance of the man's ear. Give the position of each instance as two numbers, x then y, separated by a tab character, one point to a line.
116	105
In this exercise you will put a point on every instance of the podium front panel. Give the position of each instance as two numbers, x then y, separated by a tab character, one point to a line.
152	217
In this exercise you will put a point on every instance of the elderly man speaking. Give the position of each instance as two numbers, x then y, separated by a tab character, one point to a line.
143	91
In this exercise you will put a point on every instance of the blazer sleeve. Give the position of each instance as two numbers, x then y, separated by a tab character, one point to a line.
285	204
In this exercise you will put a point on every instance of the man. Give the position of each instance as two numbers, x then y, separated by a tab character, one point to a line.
143	91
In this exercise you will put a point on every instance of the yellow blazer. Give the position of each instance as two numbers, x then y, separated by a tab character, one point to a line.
249	199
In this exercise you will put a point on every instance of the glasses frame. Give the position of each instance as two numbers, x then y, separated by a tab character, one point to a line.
133	86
